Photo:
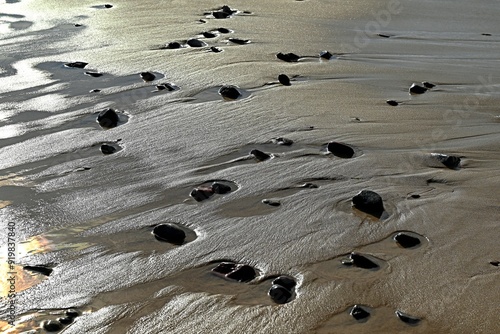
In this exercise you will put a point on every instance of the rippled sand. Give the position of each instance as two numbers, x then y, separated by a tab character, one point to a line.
89	216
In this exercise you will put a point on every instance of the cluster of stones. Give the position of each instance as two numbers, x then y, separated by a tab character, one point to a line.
205	192
60	323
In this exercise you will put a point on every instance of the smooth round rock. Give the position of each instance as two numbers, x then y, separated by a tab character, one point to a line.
369	202
224	268
108	118
76	64
407	318
259	155
284	79
201	193
65	320
173	45
229	92
223	30
416	89
239	41
288	57
406	241
279	294
450	161
285	281
340	150
208	34
195	43
359	313
392	103
361	261
51	325
325	55
72	313
107	149
147	76
169	233
108	6
220	188
220	15
242	273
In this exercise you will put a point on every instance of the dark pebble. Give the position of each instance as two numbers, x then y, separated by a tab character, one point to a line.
392	103
406	241
108	6
259	155
284	79
228	10
208	34
495	263
325	55
361	261
450	161
224	268
65	320
288	57
169	233
416	89
407	318
428	85
223	30
215	49
239	41
77	64
271	202
486	34
78	25
220	15
195	43
201	193
229	92
384	35
147	76
340	150
52	325
108	118
107	149
39	269
165	86
72	313
93	74
283	141
173	45
285	281
415	196
95	91
369	202
220	188
242	273
279	294
359	313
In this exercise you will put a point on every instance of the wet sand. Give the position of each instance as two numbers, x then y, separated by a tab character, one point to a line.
89	212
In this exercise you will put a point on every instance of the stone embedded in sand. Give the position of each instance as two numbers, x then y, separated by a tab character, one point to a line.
360	261
259	155
280	294
271	202
220	188
208	34
51	325
359	313
195	43
239	41
147	76
107	149
406	241
169	233
95	91
407	318
229	92
450	161
284	79
108	118
325	55
93	74
223	30
288	57
384	35
242	273
392	103
201	193
369	202
72	313
215	49
221	15
65	320
285	281
39	269
173	45
108	6
428	85
224	268
165	86
282	141
340	150
76	64
495	263
416	89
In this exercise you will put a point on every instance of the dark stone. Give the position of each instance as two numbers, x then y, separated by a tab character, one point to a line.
227	9
340	150
39	269
220	188
406	241
359	313
107	149
271	202
450	161
325	55
416	89
78	25
384	35
428	85
195	43
285	281
108	6
284	79
93	74
224	30
65	320
202	21
288	57
220	15
407	318
486	34
242	273
108	118
229	92
239	41
201	193
52	325
392	103
224	268
369	202
77	64
173	45
165	86
95	91
147	76
72	313
283	141
215	49
415	196
361	261
169	233
495	263
208	34
259	155
279	294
